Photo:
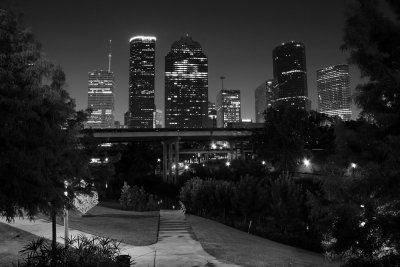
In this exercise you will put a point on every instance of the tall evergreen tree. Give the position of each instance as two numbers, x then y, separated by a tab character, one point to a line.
361	212
38	125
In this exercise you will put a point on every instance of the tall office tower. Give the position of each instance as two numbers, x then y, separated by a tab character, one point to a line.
141	82
265	95
228	107
186	85
101	87
212	115
101	99
157	122
333	85
289	61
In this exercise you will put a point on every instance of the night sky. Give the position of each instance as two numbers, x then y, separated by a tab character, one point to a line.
237	36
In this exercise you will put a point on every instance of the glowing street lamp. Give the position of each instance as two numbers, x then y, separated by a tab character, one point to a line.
306	162
353	165
228	164
213	146
186	167
65	215
263	162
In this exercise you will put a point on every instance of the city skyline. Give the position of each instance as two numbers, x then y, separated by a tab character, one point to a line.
241	51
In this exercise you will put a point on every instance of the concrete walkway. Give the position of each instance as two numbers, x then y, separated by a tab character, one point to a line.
176	244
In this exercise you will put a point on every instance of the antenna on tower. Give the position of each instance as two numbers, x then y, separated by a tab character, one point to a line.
222	80
109	58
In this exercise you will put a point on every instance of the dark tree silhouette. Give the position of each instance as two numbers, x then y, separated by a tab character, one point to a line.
38	124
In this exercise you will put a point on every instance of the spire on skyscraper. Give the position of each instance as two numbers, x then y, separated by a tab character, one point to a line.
109	58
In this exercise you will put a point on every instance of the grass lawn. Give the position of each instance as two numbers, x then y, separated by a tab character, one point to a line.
229	244
135	228
12	240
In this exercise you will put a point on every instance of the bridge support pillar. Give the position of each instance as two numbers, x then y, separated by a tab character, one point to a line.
230	156
176	161
165	161
170	163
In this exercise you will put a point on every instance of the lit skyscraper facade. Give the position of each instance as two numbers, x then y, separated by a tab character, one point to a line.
212	115
289	62
333	85
186	85
141	82
101	99
157	122
264	98
228	107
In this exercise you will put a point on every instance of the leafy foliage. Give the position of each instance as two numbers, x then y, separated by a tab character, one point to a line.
38	147
135	198
360	214
290	135
274	206
81	251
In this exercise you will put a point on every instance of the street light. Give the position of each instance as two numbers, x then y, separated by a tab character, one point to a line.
263	162
65	216
228	163
353	165
213	146
306	162
186	167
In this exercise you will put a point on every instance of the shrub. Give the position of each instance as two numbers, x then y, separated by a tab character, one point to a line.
81	251
135	198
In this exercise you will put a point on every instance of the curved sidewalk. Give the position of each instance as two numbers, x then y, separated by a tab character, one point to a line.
176	245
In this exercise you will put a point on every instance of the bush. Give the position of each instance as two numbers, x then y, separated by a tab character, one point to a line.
81	251
135	198
274	205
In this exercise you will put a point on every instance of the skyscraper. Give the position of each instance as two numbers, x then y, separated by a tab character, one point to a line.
289	62
141	82
228	107
212	115
265	95
186	85
101	97
333	85
157	122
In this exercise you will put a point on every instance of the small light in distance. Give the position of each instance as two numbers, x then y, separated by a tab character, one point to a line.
186	167
306	162
228	163
213	146
263	162
353	165
158	160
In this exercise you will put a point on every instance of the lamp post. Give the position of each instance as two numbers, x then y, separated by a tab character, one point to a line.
66	216
353	168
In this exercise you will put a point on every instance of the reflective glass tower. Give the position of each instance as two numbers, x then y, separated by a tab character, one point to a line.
101	99
265	95
333	85
289	62
228	107
186	85
141	82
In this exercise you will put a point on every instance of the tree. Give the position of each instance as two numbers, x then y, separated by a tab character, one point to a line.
290	135
38	125
362	212
373	41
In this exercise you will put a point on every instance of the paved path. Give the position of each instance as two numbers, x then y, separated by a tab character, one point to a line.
176	245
